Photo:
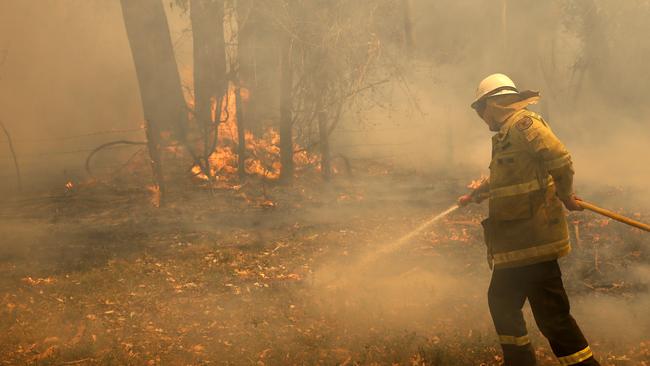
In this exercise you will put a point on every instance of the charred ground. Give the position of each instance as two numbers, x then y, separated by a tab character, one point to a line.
99	276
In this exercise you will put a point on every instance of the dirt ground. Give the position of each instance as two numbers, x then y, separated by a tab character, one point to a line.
96	275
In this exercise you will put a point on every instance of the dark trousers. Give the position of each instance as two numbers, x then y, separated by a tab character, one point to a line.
541	284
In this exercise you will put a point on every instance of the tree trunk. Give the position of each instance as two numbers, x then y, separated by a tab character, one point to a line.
286	118
258	64
324	146
153	145
209	70
160	85
409	44
241	135
155	65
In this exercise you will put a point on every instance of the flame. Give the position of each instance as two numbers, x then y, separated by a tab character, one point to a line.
69	185
38	281
474	184
198	173
267	204
155	194
262	153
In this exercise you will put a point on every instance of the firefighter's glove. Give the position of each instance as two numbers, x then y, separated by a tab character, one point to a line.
571	203
465	200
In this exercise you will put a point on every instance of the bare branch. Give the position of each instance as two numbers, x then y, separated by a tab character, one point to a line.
108	144
13	153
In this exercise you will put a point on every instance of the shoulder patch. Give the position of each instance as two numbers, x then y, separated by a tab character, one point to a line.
524	123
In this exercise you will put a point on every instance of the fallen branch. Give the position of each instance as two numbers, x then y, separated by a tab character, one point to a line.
77	361
103	146
128	161
13	153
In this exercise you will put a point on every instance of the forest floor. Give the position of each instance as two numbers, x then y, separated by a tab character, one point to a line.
96	275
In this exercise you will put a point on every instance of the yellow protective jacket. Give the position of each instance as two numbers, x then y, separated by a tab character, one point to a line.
529	173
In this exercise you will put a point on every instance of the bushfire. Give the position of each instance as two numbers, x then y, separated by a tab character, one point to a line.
263	153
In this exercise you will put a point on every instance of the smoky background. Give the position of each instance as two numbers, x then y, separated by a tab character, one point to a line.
66	71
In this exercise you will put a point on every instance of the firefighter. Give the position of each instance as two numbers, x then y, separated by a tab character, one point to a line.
531	179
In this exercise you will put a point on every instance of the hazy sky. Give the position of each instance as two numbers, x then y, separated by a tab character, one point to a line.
68	71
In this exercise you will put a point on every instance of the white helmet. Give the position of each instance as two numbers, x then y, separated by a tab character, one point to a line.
495	84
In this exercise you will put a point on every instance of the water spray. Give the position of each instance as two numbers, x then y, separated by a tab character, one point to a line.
391	247
359	270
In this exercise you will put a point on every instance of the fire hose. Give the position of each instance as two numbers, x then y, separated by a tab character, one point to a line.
584	204
404	239
613	215
395	245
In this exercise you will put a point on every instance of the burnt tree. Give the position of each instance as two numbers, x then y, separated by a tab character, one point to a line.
241	134
163	103
286	115
210	80
258	62
155	65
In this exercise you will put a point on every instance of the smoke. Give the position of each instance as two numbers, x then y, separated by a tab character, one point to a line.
592	88
67	74
442	295
614	317
68	71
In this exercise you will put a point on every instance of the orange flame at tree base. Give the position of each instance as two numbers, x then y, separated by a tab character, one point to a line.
263	153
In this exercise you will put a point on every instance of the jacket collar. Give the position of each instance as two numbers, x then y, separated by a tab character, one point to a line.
508	123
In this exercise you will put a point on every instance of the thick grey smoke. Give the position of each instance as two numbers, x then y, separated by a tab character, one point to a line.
66	70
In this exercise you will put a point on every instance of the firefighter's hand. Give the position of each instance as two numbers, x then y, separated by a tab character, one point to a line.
571	203
465	200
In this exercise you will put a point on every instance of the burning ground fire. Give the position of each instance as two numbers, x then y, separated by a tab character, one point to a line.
474	184
263	153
